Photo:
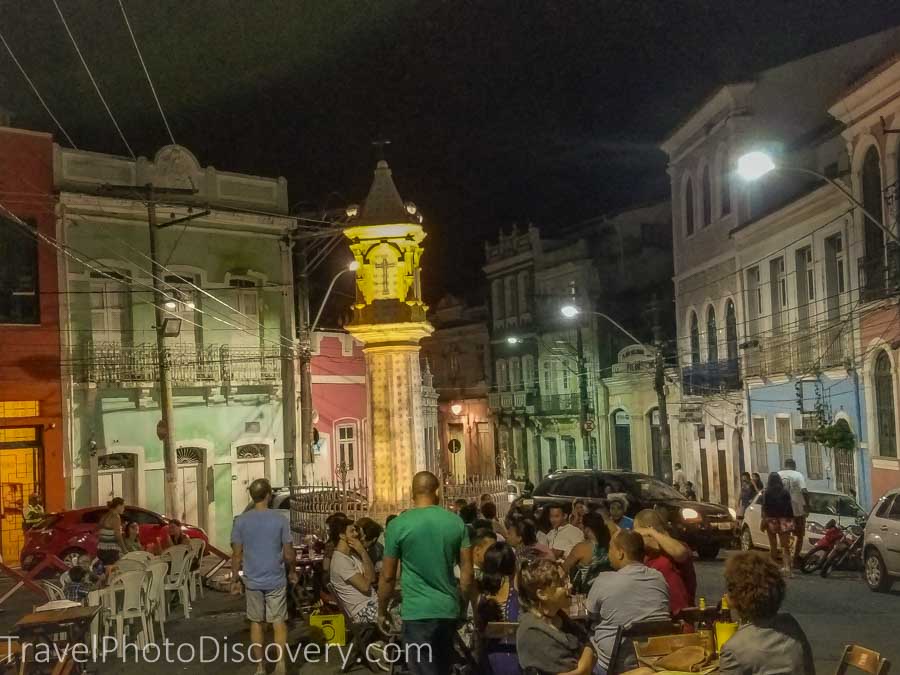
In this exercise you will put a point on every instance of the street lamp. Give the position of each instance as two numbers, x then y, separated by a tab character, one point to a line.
571	311
754	165
513	340
456	409
352	267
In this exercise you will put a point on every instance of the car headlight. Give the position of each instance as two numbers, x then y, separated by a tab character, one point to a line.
733	513
814	527
689	514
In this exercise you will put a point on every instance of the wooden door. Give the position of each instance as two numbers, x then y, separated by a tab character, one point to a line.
188	493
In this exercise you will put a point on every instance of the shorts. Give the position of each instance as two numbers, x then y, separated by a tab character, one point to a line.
368	613
267	606
780	525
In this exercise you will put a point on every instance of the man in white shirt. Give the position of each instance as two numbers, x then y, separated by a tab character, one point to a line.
795	484
564	536
679	481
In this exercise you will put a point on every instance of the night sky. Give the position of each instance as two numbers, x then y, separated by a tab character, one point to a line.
498	112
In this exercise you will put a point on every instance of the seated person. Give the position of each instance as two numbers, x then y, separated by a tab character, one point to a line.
369	532
670	557
329	546
131	539
633	593
497	601
352	573
481	540
618	504
590	557
766	642
522	536
562	537
80	583
546	638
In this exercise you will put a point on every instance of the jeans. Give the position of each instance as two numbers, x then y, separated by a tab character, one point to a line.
438	635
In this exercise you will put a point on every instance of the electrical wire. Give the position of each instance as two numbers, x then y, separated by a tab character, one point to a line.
93	81
36	92
147	73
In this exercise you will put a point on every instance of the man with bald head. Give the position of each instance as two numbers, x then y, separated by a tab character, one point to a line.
429	541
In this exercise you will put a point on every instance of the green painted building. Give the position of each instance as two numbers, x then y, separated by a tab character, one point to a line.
227	279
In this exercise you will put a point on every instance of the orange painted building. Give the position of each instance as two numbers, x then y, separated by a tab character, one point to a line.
31	434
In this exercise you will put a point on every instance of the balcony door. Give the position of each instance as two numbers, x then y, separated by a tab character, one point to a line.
622	425
111	309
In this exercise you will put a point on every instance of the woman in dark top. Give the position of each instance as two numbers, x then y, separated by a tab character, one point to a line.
546	638
748	492
766	643
757	482
778	520
587	559
498	601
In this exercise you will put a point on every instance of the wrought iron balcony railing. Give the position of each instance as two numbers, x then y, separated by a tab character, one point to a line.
710	378
560	404
111	363
507	401
804	351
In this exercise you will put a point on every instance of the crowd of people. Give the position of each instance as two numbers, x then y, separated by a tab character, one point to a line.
534	571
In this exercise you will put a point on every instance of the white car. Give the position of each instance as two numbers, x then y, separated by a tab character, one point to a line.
823	506
514	490
882	544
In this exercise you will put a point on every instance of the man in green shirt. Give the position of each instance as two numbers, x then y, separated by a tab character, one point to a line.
428	540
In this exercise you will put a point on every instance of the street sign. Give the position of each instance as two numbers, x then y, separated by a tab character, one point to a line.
162	430
454	445
589	425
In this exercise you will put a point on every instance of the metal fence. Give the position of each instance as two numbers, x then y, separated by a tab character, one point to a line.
312	504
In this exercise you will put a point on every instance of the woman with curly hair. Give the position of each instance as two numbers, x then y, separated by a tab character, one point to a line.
778	520
767	642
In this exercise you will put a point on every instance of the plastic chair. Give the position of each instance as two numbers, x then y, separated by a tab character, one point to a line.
623	654
53	591
158	569
174	555
130	565
142	556
130	591
862	659
198	549
178	580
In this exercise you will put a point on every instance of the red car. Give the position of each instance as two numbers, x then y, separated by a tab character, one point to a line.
69	534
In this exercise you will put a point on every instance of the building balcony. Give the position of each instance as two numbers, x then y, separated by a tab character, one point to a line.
212	365
803	351
560	404
512	401
709	378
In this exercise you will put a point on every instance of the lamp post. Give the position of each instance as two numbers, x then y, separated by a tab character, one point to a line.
352	267
754	165
659	382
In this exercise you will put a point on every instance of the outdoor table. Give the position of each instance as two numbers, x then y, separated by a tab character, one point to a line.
38	627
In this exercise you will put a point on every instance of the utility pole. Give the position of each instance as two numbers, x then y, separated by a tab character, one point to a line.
301	282
165	430
583	393
659	383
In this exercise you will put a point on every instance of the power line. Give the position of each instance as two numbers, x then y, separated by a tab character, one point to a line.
36	92
93	81
147	73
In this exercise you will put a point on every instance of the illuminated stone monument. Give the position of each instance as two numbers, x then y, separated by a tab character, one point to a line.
385	236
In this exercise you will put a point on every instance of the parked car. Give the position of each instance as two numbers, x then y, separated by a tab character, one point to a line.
280	502
881	552
704	527
514	490
824	505
70	534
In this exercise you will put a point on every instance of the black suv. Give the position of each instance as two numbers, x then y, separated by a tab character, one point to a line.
704	527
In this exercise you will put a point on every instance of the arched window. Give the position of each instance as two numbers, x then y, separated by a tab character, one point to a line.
688	207
724	185
695	339
874	237
706	187
884	406
712	336
731	341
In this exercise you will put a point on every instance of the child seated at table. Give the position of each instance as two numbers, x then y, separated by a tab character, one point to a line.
546	638
79	584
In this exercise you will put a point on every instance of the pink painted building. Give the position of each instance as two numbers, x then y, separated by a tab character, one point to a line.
339	399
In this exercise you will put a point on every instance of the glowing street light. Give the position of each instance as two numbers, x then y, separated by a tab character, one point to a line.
351	267
754	165
513	340
569	311
456	409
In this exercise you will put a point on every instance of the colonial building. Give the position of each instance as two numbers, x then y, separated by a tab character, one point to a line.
338	372
231	357
768	277
457	354
869	111
31	423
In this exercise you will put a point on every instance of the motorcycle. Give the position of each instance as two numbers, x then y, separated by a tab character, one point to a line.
847	552
814	560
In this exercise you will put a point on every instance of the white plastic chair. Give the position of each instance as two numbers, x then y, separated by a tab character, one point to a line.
130	565
178	580
198	548
141	556
174	555
158	569
130	603
53	591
